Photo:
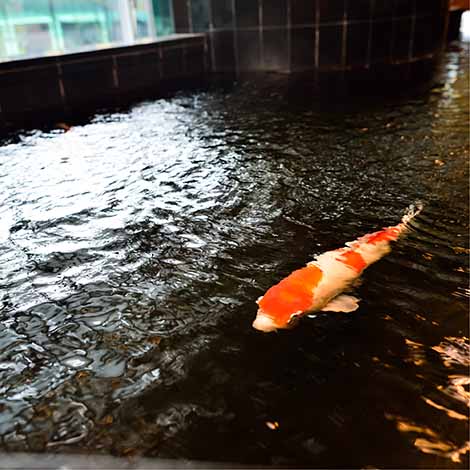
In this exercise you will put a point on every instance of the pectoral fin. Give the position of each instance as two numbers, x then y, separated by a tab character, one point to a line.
342	303
357	282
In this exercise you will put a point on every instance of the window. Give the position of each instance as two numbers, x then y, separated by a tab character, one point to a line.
33	38
47	27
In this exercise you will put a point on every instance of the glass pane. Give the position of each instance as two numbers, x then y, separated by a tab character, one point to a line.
81	34
45	27
141	13
163	17
26	27
84	23
33	39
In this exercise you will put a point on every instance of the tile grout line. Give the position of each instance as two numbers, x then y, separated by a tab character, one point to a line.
211	36
327	23
412	33
392	36
444	7
159	63
115	73
369	38
63	96
235	37
289	39
184	61
161	55
261	35
344	35
190	16
317	35
205	49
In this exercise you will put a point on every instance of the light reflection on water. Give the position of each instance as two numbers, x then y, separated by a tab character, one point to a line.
133	247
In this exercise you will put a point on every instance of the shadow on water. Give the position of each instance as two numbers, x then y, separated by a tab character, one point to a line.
134	246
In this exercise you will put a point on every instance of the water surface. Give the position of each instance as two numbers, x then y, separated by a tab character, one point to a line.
133	247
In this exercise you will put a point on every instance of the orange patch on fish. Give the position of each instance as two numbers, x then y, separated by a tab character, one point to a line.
352	259
294	293
389	234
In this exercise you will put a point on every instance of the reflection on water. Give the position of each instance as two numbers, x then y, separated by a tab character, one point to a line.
455	353
133	248
432	443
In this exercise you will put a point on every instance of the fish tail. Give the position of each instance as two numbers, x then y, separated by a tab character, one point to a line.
391	233
394	232
412	211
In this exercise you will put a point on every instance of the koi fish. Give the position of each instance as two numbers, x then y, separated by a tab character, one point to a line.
319	286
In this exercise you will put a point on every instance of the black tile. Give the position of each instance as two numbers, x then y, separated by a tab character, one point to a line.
381	44
403	8
382	9
20	93
357	44
181	16
200	15
194	60
302	48
393	74
248	47
437	24
222	13
429	7
442	9
172	63
302	12
359	9
181	41
88	81
143	59
330	45
424	7
275	52
422	70
224	50
401	39
274	13
138	71
332	10
247	13
422	43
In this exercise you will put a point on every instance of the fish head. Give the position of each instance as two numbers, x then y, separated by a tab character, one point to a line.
264	322
282	305
269	321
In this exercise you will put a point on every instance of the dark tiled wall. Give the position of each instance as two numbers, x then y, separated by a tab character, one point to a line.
323	35
83	81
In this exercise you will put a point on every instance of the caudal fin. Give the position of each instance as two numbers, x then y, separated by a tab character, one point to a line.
412	211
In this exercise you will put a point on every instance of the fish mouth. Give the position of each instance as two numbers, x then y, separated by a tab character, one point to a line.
264	323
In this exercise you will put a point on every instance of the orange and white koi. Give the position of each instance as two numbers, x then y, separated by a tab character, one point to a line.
319	286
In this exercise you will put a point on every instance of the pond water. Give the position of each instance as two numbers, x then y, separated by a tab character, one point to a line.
134	246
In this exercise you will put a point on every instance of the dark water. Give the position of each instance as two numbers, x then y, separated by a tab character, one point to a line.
132	250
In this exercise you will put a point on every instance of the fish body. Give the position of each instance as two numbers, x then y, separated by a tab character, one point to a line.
320	284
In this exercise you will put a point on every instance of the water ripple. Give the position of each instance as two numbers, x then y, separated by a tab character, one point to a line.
133	247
